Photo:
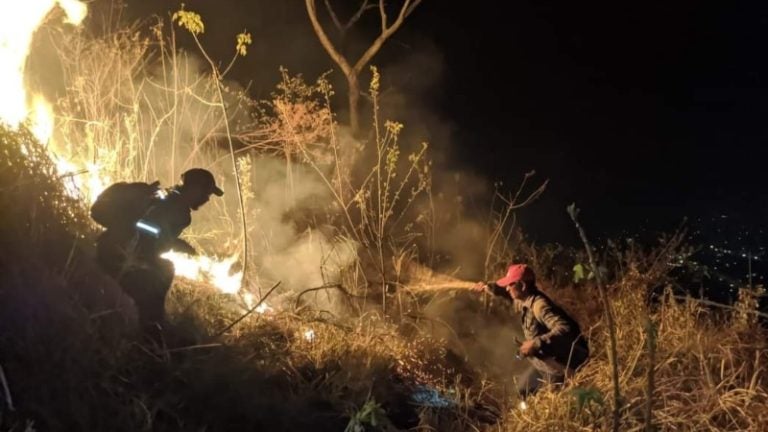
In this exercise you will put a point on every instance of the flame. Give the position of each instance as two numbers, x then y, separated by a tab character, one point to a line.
74	10
68	172
96	183
249	298
18	22
204	268
201	268
263	308
309	335
41	119
81	183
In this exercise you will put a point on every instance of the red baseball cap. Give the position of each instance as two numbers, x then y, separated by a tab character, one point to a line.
517	272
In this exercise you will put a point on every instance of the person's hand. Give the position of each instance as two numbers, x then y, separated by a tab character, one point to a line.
479	287
526	349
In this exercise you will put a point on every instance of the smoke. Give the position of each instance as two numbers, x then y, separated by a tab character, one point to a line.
413	84
160	120
312	261
483	337
413	73
284	204
143	114
463	239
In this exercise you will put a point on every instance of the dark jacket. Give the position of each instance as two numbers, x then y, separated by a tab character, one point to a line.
170	216
556	336
132	246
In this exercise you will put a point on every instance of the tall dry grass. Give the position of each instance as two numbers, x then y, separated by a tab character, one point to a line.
708	367
70	362
708	363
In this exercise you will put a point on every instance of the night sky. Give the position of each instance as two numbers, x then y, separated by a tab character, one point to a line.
635	111
641	113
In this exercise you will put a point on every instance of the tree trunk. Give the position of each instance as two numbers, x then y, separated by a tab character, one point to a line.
353	72
354	102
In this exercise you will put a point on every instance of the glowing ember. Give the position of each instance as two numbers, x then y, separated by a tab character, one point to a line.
264	308
249	300
204	268
309	335
523	406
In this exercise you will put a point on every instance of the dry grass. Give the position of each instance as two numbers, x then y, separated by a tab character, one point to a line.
266	373
70	360
708	372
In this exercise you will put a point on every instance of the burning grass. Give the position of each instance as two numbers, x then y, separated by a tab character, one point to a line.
70	362
359	335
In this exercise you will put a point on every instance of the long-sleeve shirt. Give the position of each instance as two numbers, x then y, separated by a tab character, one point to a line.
554	333
169	216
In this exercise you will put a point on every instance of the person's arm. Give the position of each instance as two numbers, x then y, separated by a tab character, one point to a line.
492	288
171	221
554	320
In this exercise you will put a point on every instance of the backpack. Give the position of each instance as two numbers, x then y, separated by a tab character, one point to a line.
123	203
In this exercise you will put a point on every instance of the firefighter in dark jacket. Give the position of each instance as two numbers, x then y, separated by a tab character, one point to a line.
131	253
554	345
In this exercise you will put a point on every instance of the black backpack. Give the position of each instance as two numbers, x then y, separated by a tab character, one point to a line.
123	203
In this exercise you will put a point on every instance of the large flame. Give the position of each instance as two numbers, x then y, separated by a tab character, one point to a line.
41	118
17	26
74	10
85	182
204	268
18	22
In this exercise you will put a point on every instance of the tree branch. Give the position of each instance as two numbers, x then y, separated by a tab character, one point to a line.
335	18
325	41
344	28
383	13
356	17
353	72
411	8
365	6
386	32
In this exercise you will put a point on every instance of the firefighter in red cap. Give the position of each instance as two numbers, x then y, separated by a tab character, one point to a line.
554	345
140	229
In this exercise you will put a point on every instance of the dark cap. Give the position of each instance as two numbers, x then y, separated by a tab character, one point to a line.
201	178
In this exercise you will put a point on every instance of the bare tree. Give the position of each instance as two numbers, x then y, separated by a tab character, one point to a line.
352	71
